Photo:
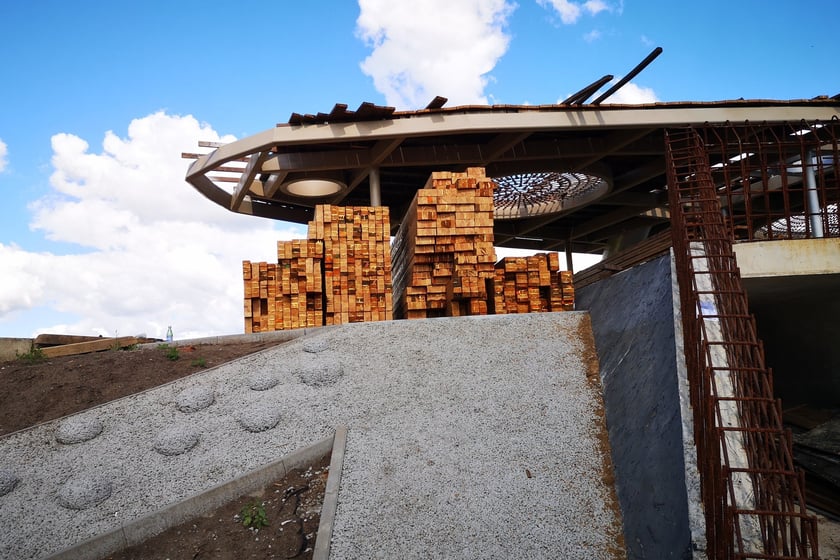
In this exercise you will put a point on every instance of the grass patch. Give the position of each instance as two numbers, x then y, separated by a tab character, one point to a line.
171	352
34	355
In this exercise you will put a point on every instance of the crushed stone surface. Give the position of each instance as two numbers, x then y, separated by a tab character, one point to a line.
473	437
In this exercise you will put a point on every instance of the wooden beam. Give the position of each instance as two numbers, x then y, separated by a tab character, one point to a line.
375	156
88	347
500	144
47	339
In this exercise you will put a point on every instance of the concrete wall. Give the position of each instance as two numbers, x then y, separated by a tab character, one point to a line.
633	323
11	348
793	288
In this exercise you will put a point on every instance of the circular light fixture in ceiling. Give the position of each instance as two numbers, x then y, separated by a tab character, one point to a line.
313	188
537	194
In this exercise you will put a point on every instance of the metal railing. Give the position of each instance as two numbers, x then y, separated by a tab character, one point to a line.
752	494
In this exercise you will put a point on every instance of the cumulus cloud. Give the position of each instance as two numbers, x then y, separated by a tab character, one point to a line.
433	47
632	94
4	152
151	251
570	12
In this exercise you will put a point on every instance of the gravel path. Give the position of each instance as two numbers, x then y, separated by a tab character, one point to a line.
469	437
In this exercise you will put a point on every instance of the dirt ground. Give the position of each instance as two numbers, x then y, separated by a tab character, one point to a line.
34	391
292	508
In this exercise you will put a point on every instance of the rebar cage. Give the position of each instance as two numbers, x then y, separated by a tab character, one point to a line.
731	183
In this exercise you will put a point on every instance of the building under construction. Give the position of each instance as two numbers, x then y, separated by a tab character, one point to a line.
735	201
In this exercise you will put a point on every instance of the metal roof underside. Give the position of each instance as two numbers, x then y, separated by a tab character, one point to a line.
622	143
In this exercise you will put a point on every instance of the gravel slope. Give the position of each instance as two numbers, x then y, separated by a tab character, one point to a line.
468	437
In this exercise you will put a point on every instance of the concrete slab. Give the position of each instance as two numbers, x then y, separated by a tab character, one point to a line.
468	437
791	257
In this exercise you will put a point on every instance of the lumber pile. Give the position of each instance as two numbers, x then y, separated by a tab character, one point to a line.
340	274
532	285
299	301
443	253
260	279
357	262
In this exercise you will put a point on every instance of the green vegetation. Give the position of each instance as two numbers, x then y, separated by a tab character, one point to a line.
171	352
199	362
253	516
34	355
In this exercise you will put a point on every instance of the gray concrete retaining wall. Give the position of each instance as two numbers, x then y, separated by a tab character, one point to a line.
11	348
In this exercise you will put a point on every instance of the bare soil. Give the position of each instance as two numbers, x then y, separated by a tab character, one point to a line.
35	391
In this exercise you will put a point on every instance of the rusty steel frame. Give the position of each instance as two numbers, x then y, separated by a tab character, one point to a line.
753	496
760	175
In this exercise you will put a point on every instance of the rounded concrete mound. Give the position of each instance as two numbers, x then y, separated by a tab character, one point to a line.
263	382
175	441
316	345
194	399
259	417
8	481
84	491
78	429
320	373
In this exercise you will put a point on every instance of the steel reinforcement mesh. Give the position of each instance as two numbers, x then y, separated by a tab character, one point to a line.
752	494
776	182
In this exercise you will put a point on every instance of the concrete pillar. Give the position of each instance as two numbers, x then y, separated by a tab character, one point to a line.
375	190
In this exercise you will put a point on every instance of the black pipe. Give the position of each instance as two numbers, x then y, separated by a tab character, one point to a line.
632	74
582	95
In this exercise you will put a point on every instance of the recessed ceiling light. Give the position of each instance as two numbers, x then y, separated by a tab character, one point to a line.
313	188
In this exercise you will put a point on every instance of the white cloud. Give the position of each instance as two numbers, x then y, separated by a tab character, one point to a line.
594	7
433	47
4	152
570	12
593	35
632	94
158	252
646	41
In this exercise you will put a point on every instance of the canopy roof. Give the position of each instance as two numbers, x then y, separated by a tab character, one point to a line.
569	173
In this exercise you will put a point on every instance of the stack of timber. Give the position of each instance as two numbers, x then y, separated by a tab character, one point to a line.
300	299
260	294
340	274
443	252
531	285
357	262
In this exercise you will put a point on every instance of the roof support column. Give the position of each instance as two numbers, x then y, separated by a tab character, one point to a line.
813	207
569	266
375	190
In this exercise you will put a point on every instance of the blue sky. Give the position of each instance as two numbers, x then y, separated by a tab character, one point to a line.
99	234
